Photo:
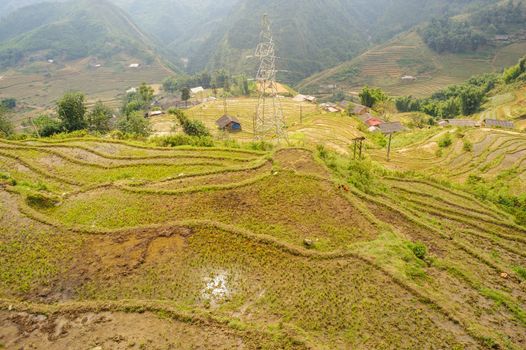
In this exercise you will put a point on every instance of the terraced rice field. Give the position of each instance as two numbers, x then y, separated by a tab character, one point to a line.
306	124
385	65
507	106
125	246
495	153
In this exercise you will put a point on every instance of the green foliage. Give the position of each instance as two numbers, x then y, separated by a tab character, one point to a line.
419	250
98	119
41	200
446	35
6	126
185	94
468	146
135	124
170	85
521	271
512	74
190	127
445	141
260	146
71	110
371	96
361	174
8	103
139	100
47	126
183	140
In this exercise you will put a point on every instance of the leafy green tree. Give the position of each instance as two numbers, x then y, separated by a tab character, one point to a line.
170	85
371	96
6	126
185	95
47	126
134	124
71	110
98	119
146	94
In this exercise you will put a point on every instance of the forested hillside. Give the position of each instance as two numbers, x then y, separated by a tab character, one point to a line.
312	35
70	31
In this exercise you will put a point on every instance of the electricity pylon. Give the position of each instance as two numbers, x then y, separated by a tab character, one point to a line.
268	121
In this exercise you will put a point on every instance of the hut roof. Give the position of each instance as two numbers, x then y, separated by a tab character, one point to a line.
505	124
463	122
225	120
391	128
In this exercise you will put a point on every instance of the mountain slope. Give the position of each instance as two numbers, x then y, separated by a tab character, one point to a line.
310	35
385	65
71	30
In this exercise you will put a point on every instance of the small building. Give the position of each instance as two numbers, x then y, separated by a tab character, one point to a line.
365	117
304	98
464	123
155	113
229	123
391	128
502	37
197	90
134	65
443	123
502	124
131	90
332	109
359	110
374	122
408	78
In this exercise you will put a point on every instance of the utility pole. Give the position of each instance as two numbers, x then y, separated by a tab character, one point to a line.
389	147
269	120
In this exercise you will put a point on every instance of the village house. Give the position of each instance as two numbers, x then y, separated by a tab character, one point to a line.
229	123
501	124
360	110
197	90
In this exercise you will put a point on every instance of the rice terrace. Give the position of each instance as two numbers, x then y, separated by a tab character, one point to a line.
262	176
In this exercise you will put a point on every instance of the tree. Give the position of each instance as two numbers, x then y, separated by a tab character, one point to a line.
6	127
146	94
134	124
170	85
71	110
371	96
46	125
98	119
185	95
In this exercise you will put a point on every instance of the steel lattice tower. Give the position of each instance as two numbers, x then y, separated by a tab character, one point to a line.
268	121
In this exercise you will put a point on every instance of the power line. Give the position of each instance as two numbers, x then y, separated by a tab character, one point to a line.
268	120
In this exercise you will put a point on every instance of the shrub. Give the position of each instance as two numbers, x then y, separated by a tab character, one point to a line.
261	146
41	200
468	146
521	271
361	175
183	140
419	250
445	141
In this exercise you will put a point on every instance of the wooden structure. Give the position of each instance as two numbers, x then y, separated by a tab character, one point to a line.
390	129
358	146
229	123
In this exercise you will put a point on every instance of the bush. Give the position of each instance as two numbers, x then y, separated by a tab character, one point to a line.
47	126
468	146
190	127
361	175
41	200
261	146
134	124
183	140
445	141
419	250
